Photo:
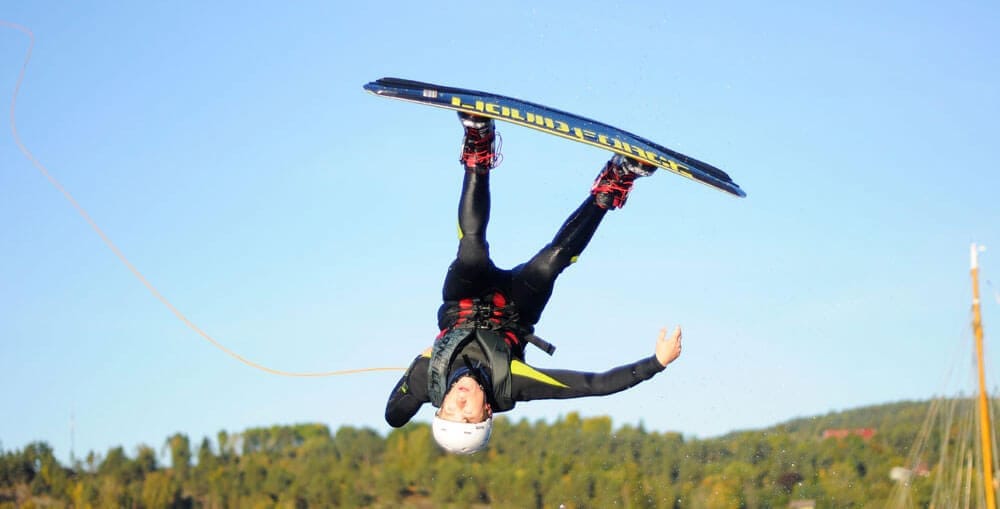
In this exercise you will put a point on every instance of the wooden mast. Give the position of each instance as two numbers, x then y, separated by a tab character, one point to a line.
984	414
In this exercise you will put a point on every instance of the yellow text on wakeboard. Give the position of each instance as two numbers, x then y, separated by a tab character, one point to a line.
564	129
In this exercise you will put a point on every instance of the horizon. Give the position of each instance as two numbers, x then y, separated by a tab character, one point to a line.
195	441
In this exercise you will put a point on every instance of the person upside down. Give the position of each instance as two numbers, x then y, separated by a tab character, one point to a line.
476	366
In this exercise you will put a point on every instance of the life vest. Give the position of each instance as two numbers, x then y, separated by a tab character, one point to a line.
492	322
497	365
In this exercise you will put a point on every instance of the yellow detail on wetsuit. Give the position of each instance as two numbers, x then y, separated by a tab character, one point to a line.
521	369
574	259
460	234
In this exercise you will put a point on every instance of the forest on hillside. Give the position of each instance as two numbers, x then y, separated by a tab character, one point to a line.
573	462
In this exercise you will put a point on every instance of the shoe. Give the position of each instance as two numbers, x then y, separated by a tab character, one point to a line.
611	188
481	144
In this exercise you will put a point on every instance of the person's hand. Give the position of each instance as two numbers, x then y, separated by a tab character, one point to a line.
668	349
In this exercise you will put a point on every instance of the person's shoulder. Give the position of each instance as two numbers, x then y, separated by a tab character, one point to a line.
419	364
523	370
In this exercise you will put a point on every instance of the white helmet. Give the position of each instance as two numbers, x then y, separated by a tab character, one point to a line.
462	437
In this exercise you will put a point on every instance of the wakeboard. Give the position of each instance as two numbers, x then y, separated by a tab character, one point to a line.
555	122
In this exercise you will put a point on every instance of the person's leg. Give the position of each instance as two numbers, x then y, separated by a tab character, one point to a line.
472	272
534	281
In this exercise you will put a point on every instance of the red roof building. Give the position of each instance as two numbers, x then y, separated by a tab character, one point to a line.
864	433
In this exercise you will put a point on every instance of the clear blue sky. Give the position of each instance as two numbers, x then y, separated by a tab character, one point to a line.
228	149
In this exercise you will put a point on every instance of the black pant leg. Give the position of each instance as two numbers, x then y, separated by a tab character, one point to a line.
472	271
534	281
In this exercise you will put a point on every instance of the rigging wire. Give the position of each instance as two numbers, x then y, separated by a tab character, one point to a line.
946	447
121	256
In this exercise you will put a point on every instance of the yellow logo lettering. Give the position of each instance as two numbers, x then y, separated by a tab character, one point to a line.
457	101
535	119
586	135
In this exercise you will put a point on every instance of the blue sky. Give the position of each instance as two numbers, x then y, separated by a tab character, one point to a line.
231	154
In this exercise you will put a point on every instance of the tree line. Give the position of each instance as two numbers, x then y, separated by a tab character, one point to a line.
573	462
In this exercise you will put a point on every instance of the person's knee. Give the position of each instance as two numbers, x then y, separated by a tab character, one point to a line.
473	253
475	264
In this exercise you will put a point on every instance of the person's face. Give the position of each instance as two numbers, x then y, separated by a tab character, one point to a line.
465	402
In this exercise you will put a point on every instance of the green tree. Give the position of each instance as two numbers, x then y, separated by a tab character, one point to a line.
47	477
145	460
159	490
180	456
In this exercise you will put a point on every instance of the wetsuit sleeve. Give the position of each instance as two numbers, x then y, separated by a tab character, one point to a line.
409	394
530	383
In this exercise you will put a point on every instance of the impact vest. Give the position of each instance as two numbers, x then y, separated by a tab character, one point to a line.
492	323
498	357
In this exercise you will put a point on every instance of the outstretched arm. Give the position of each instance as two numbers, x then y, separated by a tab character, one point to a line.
409	394
530	383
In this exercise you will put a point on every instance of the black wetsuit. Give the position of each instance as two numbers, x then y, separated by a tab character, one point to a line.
511	302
